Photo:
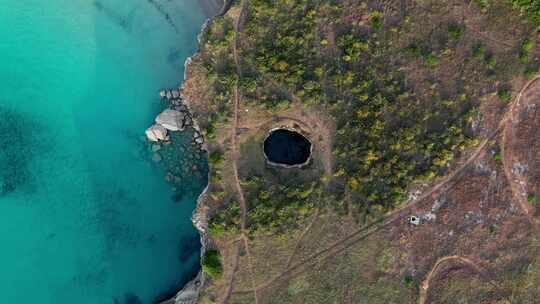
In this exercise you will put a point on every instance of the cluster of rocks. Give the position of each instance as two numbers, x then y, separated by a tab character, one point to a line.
176	117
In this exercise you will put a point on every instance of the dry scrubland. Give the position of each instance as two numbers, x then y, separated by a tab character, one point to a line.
426	108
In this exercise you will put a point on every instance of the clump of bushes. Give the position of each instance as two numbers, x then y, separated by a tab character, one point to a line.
504	95
531	198
455	30
211	263
479	50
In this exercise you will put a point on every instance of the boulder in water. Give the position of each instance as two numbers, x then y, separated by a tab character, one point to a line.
156	133
171	119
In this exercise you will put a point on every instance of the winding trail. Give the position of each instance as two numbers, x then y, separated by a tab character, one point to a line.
235	156
516	181
301	238
424	287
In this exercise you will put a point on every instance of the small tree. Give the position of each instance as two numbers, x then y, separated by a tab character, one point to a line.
211	263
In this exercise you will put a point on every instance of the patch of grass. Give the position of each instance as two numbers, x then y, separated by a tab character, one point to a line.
531	198
483	4
455	30
504	95
479	50
216	229
530	71
216	158
211	263
523	57
432	60
527	44
376	19
531	8
490	60
414	50
408	281
497	156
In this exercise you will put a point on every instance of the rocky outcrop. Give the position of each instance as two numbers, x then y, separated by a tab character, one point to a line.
172	120
191	291
178	117
156	133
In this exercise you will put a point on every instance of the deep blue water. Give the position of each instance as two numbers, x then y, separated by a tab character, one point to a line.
287	147
86	216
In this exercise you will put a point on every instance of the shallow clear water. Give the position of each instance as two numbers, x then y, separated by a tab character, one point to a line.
85	215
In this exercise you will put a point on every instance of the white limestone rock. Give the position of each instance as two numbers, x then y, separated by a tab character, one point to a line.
156	133
171	119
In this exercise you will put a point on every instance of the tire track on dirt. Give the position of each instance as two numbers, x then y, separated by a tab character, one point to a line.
424	287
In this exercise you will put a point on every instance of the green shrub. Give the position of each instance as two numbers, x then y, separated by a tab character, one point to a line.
479	50
211	263
504	95
490	60
497	156
531	198
523	57
432	59
483	4
455	31
215	158
376	19
527	44
216	229
408	281
530	71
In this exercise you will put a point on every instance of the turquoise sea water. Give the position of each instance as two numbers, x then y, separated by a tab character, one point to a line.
85	215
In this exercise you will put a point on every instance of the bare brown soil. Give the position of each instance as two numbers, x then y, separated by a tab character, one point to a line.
519	140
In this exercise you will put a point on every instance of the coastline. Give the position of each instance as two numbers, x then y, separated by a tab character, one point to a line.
189	294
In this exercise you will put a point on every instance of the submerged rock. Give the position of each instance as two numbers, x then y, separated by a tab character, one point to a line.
156	158
156	133
171	119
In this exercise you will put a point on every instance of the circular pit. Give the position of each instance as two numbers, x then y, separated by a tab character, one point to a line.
287	148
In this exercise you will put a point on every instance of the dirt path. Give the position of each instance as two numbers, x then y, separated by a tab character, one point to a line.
397	214
235	155
228	290
297	245
234	163
424	287
516	180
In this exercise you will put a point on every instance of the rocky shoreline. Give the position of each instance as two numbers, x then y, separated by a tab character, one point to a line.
178	116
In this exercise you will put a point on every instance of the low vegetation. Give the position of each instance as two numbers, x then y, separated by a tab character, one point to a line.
211	264
390	133
410	90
